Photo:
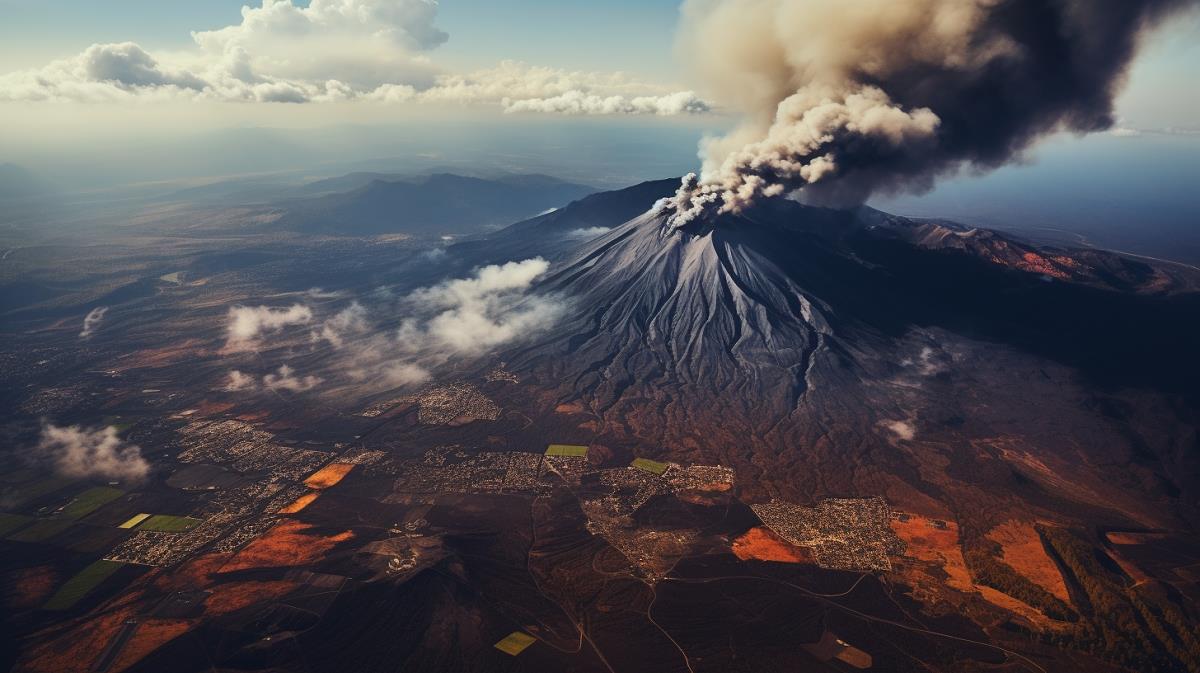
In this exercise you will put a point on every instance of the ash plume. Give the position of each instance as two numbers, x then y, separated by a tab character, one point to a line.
848	99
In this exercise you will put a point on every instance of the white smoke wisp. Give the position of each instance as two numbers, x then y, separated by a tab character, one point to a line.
843	100
92	320
246	323
80	452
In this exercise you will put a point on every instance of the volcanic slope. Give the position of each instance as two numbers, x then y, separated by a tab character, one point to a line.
821	352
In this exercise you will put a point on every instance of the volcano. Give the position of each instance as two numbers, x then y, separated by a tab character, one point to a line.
818	349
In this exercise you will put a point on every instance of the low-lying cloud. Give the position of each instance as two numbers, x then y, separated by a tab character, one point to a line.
80	452
586	233
285	379
92	320
487	310
247	323
462	317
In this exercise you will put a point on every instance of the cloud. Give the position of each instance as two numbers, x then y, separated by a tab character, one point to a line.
588	232
333	51
461	317
577	102
350	320
246	323
285	379
486	310
92	320
359	43
82	452
902	429
238	381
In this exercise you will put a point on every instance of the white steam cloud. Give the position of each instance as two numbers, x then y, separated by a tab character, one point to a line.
92	320
83	452
246	323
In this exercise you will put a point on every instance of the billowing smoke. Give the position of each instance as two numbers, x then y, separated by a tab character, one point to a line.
847	99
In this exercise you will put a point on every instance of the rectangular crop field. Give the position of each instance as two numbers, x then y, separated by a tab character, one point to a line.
166	523
41	530
651	466
30	491
78	586
568	450
91	500
515	643
12	522
134	520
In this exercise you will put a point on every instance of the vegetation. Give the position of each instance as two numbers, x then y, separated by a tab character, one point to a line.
78	586
41	530
982	558
569	450
91	500
515	643
166	523
1134	625
647	465
12	522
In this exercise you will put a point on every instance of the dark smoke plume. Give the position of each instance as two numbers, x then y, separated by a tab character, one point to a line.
846	98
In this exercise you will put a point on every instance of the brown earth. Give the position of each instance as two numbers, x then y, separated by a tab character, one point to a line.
29	587
328	476
233	596
286	544
1024	552
300	503
761	544
150	635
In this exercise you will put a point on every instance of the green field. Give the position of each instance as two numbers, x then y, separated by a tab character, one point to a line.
12	522
570	450
41	530
647	465
19	476
27	492
78	586
515	643
166	523
91	500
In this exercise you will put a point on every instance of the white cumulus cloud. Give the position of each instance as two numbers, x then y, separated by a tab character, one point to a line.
285	379
76	451
246	323
329	51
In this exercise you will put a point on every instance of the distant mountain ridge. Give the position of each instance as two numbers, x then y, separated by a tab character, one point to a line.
438	204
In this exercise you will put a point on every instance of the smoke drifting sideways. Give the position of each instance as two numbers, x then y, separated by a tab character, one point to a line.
843	100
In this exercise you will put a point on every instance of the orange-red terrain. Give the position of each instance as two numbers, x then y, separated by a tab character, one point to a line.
761	544
287	544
